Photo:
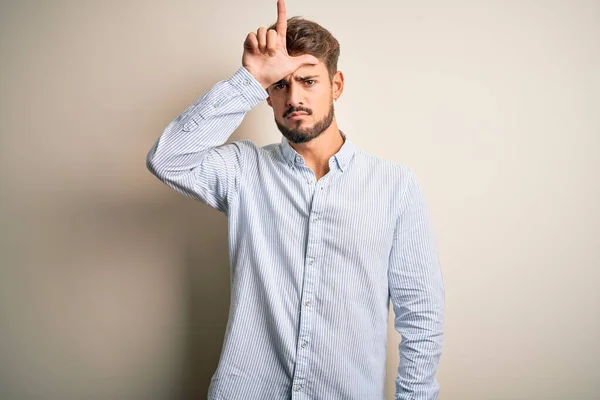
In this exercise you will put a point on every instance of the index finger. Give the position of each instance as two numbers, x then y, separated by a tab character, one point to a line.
281	26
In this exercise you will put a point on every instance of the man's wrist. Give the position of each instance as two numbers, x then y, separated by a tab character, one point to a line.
248	86
264	85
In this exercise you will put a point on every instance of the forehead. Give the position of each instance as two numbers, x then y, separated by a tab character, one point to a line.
308	69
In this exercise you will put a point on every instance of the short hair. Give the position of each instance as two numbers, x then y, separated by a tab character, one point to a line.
307	37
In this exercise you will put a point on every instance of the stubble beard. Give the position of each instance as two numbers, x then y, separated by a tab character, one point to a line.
303	135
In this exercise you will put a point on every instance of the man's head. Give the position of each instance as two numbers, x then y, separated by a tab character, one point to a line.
303	101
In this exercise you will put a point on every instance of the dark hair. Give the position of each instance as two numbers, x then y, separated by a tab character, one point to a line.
308	37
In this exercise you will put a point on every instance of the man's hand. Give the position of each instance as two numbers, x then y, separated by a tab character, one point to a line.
265	53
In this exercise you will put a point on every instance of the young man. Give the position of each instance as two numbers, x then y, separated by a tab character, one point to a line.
321	234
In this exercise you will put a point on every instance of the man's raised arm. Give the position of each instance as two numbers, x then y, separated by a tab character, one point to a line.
190	156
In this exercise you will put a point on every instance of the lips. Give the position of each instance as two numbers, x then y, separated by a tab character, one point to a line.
297	113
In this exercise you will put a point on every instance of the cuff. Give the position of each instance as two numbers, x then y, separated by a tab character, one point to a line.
245	83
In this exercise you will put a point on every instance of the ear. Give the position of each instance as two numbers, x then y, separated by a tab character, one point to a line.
337	85
269	101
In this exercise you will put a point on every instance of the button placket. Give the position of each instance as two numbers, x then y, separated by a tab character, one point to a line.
311	281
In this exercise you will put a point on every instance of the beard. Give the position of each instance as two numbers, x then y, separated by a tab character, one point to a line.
303	135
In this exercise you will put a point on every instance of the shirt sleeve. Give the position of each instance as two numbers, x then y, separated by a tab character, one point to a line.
190	156
417	294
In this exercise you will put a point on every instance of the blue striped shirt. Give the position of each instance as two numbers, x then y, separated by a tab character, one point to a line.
314	264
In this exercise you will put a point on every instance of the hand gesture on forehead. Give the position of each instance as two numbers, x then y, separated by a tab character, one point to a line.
265	52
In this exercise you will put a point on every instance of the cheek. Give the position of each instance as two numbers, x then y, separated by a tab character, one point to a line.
324	106
278	107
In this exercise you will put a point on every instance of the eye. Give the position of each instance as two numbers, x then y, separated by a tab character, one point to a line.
310	82
279	86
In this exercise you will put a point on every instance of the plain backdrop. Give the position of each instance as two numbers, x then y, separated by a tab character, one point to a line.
114	287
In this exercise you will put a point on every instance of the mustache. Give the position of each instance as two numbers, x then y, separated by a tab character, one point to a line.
296	109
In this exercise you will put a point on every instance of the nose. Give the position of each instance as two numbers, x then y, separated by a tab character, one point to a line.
294	95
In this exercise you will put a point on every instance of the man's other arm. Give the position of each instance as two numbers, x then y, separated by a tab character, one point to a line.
417	293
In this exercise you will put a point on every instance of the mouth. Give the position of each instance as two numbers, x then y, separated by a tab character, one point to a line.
297	115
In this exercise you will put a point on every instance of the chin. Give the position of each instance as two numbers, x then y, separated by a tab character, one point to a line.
299	123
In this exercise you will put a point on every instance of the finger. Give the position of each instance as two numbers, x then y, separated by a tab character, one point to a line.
261	33
251	43
281	25
271	41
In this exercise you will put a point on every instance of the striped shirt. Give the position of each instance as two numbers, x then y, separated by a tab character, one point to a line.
314	264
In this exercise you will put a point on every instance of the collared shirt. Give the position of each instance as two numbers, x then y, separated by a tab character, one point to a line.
314	264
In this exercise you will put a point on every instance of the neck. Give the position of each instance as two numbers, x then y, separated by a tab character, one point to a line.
318	151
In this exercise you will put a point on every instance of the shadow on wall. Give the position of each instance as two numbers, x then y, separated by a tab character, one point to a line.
206	290
120	301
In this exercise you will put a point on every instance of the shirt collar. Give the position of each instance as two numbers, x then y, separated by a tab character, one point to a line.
342	157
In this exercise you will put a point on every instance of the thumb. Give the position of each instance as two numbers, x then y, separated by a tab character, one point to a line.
305	59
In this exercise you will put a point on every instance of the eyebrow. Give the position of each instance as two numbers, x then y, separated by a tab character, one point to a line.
305	78
298	79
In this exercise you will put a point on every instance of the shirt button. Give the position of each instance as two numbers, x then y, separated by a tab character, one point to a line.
307	303
247	82
297	388
312	261
303	345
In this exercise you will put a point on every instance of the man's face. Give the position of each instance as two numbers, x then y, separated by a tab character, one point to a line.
303	102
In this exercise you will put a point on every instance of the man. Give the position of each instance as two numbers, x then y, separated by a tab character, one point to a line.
322	235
